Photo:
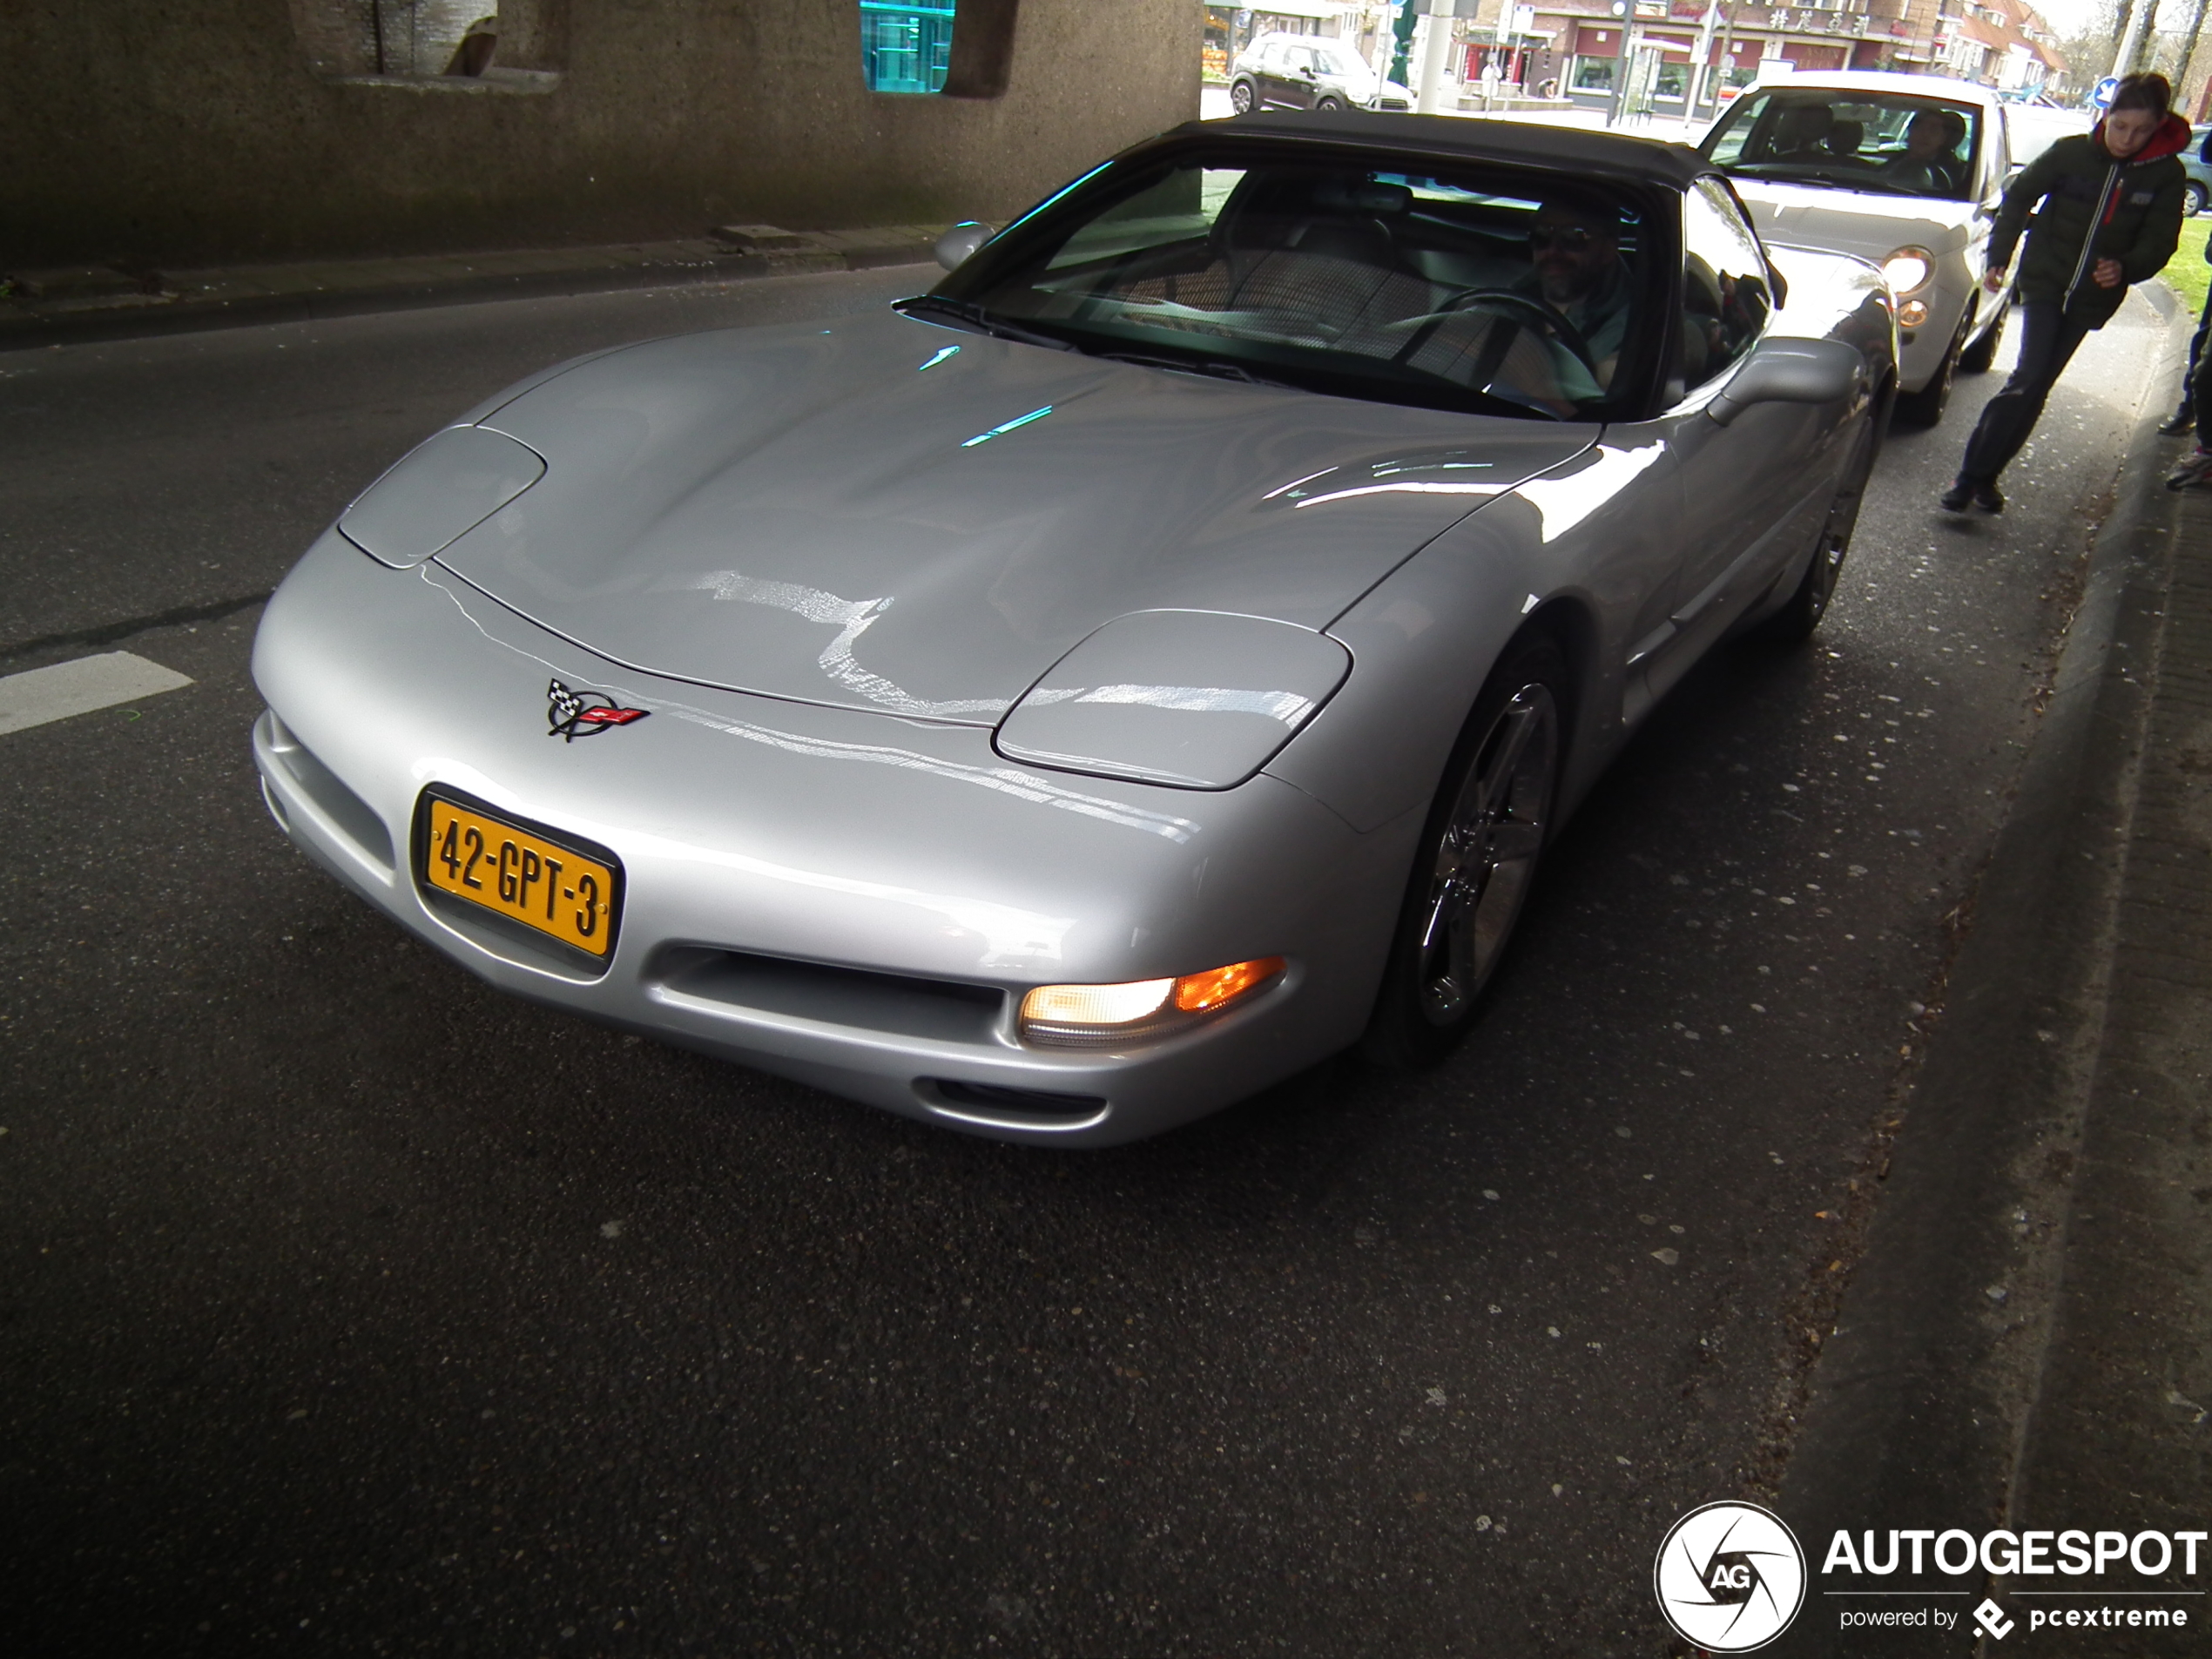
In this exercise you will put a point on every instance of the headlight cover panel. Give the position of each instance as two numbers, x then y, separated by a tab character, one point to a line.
443	489
1196	700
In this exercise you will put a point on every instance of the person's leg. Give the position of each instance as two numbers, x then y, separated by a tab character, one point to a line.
2198	394
2197	468
2048	338
2193	398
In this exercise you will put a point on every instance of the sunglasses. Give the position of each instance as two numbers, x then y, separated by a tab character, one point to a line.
1573	239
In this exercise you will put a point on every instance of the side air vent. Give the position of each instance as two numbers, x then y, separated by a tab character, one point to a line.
352	816
945	1011
1003	1105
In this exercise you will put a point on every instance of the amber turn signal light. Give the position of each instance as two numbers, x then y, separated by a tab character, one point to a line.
1217	987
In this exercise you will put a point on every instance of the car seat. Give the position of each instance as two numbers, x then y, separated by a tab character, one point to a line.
1801	132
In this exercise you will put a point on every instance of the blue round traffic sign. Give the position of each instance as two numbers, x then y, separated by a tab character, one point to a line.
2102	97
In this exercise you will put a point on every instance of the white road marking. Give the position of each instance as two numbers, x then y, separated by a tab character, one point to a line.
90	683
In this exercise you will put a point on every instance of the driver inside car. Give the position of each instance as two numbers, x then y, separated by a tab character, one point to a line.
1924	163
1575	268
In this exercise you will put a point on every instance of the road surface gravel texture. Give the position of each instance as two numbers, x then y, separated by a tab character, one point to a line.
349	1307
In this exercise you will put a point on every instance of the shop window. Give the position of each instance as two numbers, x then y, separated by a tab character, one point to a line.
1594	75
950	48
510	45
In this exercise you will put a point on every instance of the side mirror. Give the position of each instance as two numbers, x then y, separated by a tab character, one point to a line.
1790	371
956	244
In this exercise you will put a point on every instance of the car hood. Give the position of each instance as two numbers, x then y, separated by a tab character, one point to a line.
892	516
1866	223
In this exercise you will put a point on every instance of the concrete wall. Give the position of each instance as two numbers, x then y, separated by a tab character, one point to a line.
214	131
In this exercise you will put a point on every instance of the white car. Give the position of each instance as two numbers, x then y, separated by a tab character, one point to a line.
1905	171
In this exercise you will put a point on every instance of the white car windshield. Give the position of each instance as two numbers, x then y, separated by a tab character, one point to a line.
1481	288
1882	143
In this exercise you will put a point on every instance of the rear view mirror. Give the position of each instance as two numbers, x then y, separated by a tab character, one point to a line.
956	244
1790	371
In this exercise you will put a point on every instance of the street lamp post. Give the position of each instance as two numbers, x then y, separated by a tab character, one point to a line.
1436	46
1626	13
2123	61
1698	68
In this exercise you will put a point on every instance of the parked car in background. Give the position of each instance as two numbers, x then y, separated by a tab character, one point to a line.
1308	72
2030	129
1905	171
2199	170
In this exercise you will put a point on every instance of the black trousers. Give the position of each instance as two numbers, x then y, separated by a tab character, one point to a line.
2049	335
2196	388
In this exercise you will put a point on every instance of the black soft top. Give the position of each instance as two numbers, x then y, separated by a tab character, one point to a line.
1573	150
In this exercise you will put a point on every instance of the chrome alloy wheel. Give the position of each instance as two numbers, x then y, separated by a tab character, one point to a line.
1486	855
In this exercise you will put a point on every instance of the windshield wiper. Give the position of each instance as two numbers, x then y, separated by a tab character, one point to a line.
975	317
1217	368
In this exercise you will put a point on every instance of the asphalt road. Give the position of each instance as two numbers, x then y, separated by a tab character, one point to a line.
348	1307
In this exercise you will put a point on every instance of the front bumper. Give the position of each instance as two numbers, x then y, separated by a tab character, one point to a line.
1920	350
854	901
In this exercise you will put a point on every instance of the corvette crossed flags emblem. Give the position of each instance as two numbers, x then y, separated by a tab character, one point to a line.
570	715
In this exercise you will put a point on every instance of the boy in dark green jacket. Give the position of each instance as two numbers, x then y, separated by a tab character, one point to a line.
2111	215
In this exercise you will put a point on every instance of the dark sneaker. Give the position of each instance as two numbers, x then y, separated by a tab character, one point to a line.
1987	499
2196	470
2183	422
1954	500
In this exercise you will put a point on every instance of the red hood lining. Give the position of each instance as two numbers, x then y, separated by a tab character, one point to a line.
2170	139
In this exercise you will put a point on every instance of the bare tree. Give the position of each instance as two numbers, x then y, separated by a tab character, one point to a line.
2182	89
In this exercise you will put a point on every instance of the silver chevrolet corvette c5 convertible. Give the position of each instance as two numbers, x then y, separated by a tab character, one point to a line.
1072	699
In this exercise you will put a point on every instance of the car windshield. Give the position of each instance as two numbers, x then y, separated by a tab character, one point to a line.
1478	287
1885	143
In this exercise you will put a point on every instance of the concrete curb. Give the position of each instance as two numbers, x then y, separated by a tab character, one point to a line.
1920	1402
238	296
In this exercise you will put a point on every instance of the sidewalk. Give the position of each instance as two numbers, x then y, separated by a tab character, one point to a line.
2119	1430
47	308
2028	1338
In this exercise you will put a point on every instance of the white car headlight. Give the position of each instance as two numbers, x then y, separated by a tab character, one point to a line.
1094	1015
1907	270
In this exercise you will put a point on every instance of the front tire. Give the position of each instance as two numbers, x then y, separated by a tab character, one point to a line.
1925	407
1476	860
2200	198
1240	97
1329	104
1794	622
1977	357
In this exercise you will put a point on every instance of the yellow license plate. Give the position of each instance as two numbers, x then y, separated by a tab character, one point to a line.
522	874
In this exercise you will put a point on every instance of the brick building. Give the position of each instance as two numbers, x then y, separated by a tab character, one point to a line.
1582	45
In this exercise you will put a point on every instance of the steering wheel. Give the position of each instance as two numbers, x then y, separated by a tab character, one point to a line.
1547	317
